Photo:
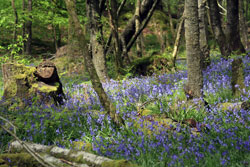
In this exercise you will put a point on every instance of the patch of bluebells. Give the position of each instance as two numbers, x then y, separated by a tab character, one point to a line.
227	136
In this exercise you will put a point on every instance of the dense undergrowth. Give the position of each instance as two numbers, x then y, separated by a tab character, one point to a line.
147	139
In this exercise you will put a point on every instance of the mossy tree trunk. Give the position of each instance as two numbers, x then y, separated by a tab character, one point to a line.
97	85
96	39
237	77
194	54
214	13
232	28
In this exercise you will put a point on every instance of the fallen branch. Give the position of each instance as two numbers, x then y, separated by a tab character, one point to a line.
29	150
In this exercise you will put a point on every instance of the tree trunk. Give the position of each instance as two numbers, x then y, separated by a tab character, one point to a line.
114	27
73	50
243	24
29	29
177	40
96	39
23	26
16	20
137	27
97	85
171	21
219	35
203	34
195	78
232	29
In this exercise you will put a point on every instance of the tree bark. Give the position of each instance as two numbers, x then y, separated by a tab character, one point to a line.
96	39
232	28
203	34
97	85
243	24
29	29
219	35
195	78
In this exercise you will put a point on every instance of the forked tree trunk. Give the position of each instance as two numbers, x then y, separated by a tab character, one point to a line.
194	54
97	85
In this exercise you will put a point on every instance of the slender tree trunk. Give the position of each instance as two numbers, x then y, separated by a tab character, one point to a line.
194	54
217	29
73	50
23	26
171	21
114	27
29	29
232	29
56	36
178	39
96	39
203	34
16	20
137	27
243	24
97	85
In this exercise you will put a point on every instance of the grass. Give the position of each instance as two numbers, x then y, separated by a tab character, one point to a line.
220	138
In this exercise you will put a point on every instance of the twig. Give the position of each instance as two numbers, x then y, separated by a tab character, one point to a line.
150	13
30	151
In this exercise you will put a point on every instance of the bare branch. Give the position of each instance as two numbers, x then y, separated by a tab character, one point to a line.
110	36
130	44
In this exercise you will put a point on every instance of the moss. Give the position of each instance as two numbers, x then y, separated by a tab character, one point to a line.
19	159
17	71
43	87
81	145
118	163
229	106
